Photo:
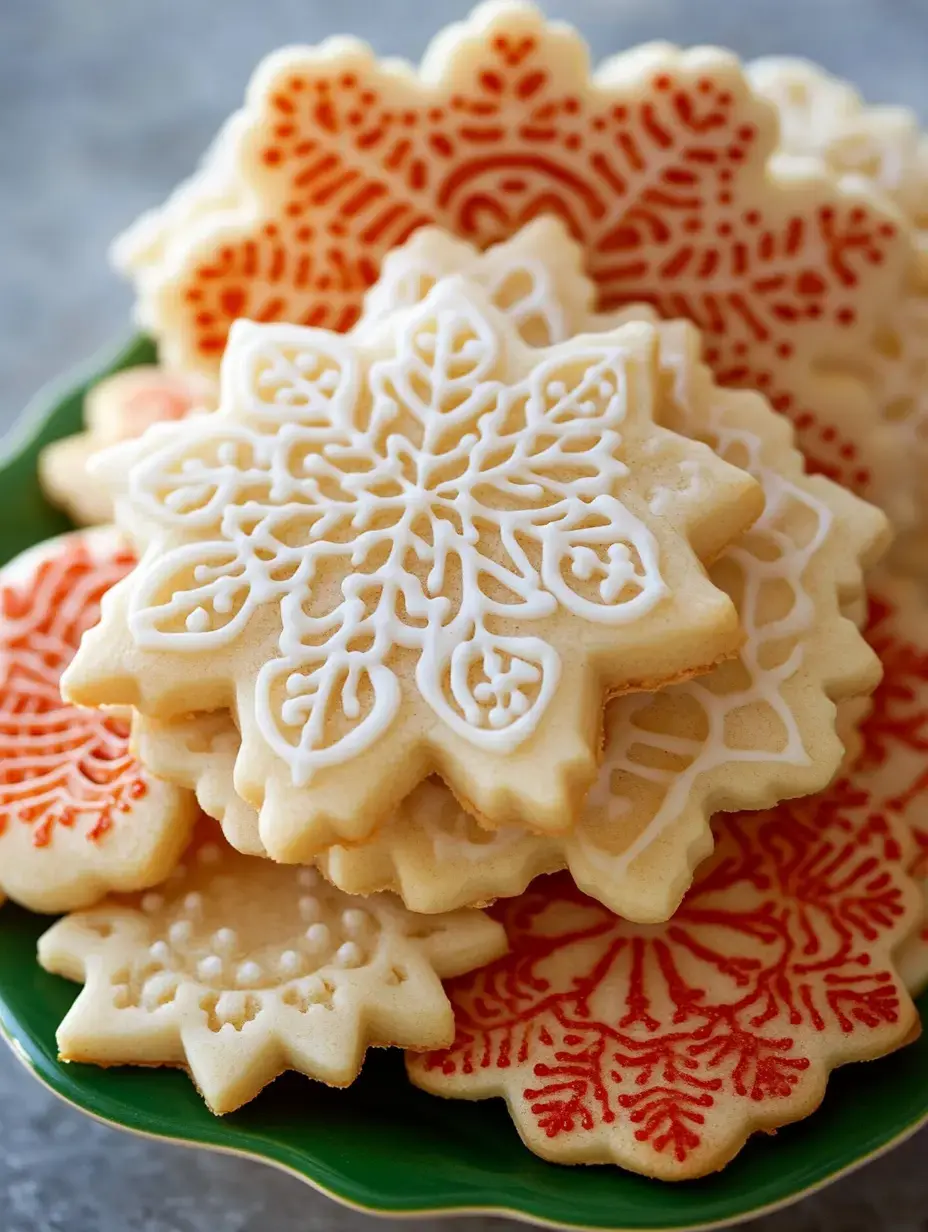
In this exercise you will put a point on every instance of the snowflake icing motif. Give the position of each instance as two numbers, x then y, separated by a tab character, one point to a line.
663	1049
668	761
78	813
658	163
441	496
238	969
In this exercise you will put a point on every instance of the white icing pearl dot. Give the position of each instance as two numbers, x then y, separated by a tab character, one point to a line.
307	877
209	968
152	903
209	853
197	621
317	935
289	962
309	908
180	932
353	920
248	973
225	938
193	902
348	955
160	951
156	988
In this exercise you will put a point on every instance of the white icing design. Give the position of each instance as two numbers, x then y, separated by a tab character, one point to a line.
180	932
408	501
152	902
248	972
788	563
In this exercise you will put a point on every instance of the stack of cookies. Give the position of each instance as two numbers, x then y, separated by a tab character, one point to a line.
499	592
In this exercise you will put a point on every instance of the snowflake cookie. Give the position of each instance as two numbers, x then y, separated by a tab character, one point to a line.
120	407
751	733
892	750
662	1049
659	163
428	544
824	117
238	969
78	815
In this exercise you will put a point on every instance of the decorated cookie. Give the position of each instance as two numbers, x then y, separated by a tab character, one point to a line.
748	735
79	816
826	118
120	407
893	735
659	163
430	545
662	1049
238	969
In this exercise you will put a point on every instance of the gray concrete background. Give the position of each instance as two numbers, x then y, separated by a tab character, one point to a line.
104	105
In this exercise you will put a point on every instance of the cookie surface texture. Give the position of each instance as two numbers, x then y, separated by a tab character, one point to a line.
238	969
78	814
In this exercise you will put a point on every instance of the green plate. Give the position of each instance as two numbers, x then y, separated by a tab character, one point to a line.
382	1145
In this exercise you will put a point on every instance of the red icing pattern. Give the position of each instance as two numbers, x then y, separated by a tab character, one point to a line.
899	722
661	180
58	764
784	937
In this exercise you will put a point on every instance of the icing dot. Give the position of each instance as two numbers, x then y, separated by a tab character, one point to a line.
317	935
556	389
160	951
209	853
354	920
309	908
225	938
348	955
289	962
209	968
180	931
179	873
197	621
152	903
307	877
248	973
193	901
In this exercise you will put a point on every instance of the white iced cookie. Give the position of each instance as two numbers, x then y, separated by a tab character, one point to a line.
238	969
427	544
754	731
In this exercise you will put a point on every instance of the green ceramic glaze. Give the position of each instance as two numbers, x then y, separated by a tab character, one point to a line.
383	1145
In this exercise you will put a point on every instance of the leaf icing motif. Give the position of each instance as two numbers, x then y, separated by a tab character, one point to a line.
416	493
